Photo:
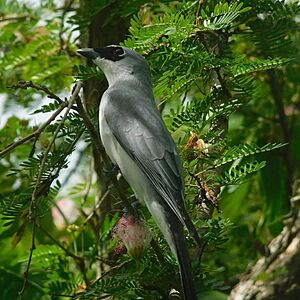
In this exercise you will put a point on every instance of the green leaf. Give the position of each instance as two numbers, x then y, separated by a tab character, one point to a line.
237	174
244	150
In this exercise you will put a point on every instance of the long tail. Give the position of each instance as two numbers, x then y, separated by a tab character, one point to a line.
172	230
184	265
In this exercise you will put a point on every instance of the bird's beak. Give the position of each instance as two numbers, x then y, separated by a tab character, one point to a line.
88	53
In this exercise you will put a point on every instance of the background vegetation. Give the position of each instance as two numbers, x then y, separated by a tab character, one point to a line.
226	80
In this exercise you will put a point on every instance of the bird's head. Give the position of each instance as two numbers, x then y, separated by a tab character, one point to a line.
118	62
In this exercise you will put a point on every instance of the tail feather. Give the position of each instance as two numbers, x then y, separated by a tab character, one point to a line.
184	266
172	229
193	231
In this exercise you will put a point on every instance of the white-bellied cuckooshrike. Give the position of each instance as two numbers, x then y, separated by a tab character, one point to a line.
137	140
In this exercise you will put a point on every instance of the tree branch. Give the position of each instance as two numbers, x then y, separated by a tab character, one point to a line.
68	252
275	276
15	18
287	157
29	84
67	5
34	197
104	196
36	133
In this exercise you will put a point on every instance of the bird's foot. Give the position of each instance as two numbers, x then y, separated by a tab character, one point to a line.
113	171
134	209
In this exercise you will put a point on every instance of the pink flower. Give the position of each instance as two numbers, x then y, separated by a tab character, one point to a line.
133	234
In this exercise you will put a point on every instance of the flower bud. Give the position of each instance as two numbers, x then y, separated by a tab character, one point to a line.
133	234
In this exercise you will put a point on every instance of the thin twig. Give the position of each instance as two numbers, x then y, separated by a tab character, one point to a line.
68	151
29	84
68	252
36	132
90	126
110	270
102	276
104	196
34	197
26	273
62	214
43	162
200	4
158	252
276	91
66	8
15	18
78	259
19	277
89	185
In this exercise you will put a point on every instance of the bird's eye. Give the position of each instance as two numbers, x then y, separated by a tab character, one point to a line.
118	51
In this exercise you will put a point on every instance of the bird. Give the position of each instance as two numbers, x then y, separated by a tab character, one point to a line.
137	141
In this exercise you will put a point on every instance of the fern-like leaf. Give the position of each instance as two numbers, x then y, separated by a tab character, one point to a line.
222	16
258	65
81	72
243	150
52	106
237	174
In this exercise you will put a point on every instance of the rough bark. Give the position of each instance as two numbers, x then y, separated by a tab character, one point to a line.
276	276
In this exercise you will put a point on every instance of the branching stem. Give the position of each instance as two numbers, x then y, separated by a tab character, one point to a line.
34	197
36	133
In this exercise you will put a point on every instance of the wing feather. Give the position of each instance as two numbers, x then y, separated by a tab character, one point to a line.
143	135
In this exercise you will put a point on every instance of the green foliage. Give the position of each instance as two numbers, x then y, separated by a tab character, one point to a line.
258	65
237	174
241	151
217	231
198	113
33	52
225	79
221	15
87	72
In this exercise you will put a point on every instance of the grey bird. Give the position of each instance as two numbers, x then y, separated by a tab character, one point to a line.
137	140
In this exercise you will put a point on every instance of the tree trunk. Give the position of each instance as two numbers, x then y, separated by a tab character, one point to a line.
276	276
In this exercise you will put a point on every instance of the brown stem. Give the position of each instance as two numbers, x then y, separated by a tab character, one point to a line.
283	122
67	6
157	251
105	195
35	193
26	273
36	133
90	126
78	259
68	252
15	18
29	84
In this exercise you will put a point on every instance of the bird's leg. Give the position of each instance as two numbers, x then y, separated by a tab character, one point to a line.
112	171
133	209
